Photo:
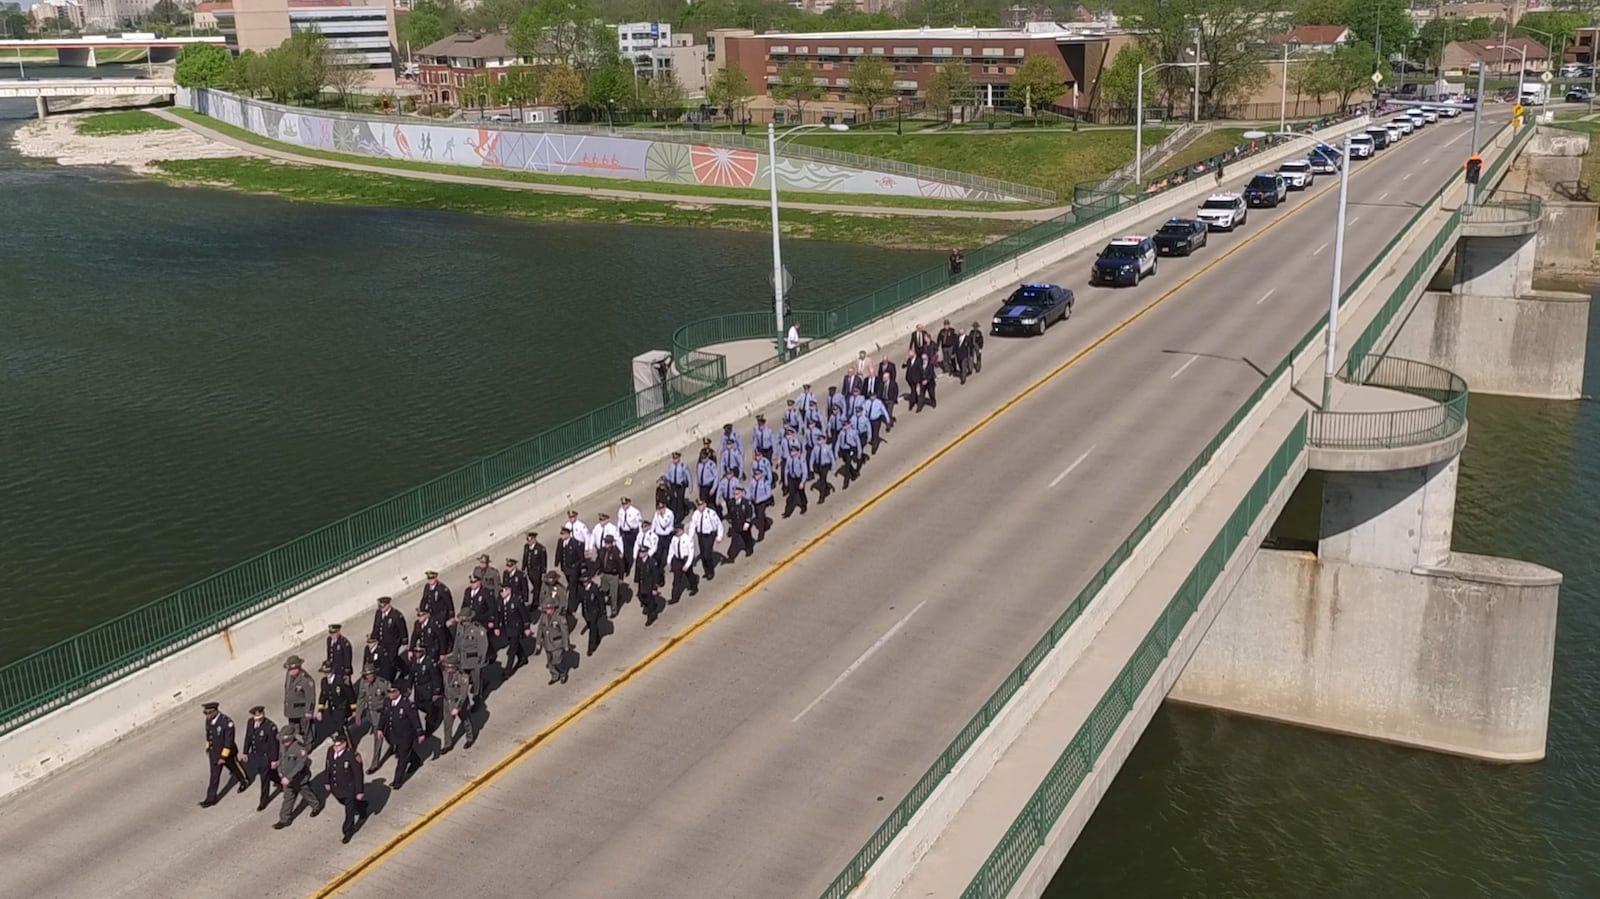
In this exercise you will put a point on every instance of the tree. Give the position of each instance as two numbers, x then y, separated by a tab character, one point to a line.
1319	12
419	28
562	86
1344	71
610	87
1119	84
296	71
729	88
204	65
1563	25
950	86
1383	24
661	93
565	31
1037	83
14	23
347	74
871	82
797	85
249	75
477	91
518	88
1229	34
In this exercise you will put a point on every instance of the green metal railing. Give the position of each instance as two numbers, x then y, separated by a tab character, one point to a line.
1026	835
1503	207
1446	390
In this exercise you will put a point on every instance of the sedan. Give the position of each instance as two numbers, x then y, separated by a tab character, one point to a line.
1181	237
1031	308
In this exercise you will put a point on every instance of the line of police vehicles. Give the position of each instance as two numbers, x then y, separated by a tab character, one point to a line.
1032	308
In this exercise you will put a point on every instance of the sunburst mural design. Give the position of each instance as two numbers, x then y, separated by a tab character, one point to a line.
723	166
669	163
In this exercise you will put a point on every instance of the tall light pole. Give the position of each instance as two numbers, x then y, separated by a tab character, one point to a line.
1138	113
1333	295
1477	107
1283	92
1549	44
1522	65
1196	118
779	288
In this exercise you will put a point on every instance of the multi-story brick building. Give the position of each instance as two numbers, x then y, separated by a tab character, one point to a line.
443	67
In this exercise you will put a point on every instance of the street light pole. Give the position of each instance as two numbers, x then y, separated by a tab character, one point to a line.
1333	295
778	286
1472	189
1283	94
1196	119
1138	127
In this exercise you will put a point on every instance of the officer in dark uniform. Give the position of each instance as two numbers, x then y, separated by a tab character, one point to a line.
975	342
294	776
437	598
222	752
299	695
260	755
390	630
535	558
429	636
347	783
610	566
341	655
427	688
741	526
517	579
948	338
647	583
402	727
594	612
569	558
516	624
336	702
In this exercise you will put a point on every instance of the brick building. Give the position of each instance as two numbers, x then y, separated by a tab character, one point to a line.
443	67
1462	57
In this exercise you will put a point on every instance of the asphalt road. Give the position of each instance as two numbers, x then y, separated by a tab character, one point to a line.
755	757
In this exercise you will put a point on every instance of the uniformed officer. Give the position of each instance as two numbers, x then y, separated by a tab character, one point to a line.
472	650
795	475
517	579
647	582
760	494
763	440
569	557
661	527
260	753
877	420
822	459
347	783
458	701
793	416
516	626
724	492
729	435
437	599
553	639
336	702
294	776
806	401
371	693
427	688
629	523
341	655
400	723
678	481
299	694
535	558
594	612
680	561
475	601
390	630
611	569
948	338
488	574
429	635
222	752
485	606
733	456
709	471
708	530
580	531
848	448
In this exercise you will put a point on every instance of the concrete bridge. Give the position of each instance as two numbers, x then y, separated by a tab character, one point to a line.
85	51
846	713
42	89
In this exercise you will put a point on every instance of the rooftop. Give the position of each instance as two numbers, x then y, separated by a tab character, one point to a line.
1313	35
473	45
1489	51
943	34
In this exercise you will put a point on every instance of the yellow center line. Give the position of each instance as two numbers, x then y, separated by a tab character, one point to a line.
350	876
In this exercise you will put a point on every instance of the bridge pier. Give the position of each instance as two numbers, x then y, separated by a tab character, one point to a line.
74	56
1364	621
41	106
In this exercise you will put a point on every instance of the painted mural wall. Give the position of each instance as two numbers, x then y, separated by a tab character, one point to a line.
559	153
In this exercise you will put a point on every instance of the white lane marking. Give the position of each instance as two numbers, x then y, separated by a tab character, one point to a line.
1382	195
1456	138
1079	461
1352	221
1405	176
1428	160
1265	295
1181	369
1319	249
860	660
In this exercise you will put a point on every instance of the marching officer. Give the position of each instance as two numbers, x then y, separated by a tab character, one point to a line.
795	475
427	688
516	626
472	650
260	755
678	482
341	655
429	636
402	726
371	693
535	558
488	574
709	471
569	557
761	481
647	582
724	492
552	636
848	450
347	783
437	599
336	702
299	694
609	564
661	528
741	522
458	702
680	560
390	630
975	344
517	580
594	612
294	776
763	440
707	527
222	753
629	522
822	459
948	338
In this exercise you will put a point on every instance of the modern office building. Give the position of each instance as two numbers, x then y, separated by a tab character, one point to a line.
361	30
637	38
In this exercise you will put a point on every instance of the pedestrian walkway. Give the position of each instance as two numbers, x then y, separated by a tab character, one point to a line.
1022	214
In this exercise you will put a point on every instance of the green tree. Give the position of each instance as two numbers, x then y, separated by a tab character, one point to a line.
562	86
419	28
1318	12
249	75
950	86
477	92
1119	85
14	23
1481	28
1229	34
1037	83
1345	71
518	88
796	84
347	74
1564	25
610	87
1383	24
204	65
565	31
661	93
729	88
871	82
296	71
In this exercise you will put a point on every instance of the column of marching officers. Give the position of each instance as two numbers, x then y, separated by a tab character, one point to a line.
416	677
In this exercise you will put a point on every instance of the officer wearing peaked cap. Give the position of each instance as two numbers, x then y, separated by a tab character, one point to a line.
347	783
371	693
553	636
458	702
341	655
260	753
222	753
437	598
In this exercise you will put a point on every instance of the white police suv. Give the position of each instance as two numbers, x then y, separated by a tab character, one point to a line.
1222	212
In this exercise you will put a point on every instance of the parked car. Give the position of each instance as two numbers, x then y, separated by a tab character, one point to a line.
1297	173
1578	95
1124	261
1266	189
1180	237
500	117
1223	212
1362	146
1323	163
1031	308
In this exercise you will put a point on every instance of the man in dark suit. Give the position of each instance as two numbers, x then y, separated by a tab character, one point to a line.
569	558
390	630
402	727
222	752
437	599
341	655
260	755
535	558
347	783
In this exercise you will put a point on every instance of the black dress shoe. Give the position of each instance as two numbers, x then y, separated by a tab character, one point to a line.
263	806
280	825
346	838
468	744
244	786
397	785
554	678
563	677
207	803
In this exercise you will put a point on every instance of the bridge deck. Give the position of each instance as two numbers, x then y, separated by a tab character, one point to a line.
756	757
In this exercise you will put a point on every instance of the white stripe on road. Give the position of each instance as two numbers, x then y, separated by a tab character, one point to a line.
1265	295
1352	221
1456	138
860	660
1319	249
1428	160
1181	369
1382	195
1405	176
1086	453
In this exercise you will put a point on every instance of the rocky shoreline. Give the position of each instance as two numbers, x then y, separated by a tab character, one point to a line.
56	137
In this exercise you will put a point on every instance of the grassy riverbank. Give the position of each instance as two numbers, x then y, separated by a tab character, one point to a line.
128	122
312	184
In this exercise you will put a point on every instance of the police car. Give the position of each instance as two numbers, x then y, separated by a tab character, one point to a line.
1223	212
1297	173
1031	308
1124	261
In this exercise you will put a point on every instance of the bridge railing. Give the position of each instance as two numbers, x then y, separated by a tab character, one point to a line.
1504	207
1407	427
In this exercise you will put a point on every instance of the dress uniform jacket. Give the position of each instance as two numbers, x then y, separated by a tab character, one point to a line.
220	739
370	698
338	697
439	601
260	744
389	628
535	560
399	721
345	775
341	655
472	645
431	637
294	763
299	695
521	585
553	637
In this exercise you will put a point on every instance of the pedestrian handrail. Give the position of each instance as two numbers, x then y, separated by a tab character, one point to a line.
1504	207
1335	429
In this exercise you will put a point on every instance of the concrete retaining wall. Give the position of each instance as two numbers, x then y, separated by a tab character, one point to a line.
1454	659
1567	236
1533	345
115	710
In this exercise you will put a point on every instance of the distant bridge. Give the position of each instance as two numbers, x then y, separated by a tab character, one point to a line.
81	51
42	89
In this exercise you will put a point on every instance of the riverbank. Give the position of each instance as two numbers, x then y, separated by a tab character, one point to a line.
57	137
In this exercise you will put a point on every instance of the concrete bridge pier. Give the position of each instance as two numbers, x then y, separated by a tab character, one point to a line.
78	56
1360	619
41	105
160	55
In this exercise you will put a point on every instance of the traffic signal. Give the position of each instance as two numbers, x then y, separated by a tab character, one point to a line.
1474	168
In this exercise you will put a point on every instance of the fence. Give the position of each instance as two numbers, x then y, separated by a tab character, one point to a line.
1504	208
1445	416
1028	832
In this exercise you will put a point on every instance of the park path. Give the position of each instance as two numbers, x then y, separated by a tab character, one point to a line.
1020	214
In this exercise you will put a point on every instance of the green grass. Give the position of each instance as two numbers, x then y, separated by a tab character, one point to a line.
314	184
688	191
130	122
1054	160
1219	140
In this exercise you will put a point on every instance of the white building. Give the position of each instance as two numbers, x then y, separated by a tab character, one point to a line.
69	13
635	39
362	30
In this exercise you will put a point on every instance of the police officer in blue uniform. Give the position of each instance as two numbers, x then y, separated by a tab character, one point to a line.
222	753
346	783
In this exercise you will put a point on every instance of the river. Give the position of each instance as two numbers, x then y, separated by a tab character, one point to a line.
188	377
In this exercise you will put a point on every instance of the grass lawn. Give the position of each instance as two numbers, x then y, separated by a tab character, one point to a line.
688	191
315	184
1204	147
1054	160
129	122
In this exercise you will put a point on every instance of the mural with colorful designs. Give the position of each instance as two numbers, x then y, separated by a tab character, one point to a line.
558	153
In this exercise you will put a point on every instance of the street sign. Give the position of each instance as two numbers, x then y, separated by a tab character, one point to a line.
1377	78
1546	77
788	280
